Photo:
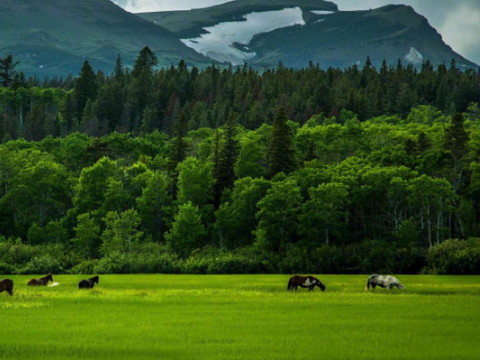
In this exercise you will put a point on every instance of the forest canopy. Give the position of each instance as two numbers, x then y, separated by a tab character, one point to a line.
233	170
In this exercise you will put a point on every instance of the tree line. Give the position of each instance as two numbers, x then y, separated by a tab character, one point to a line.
334	192
143	99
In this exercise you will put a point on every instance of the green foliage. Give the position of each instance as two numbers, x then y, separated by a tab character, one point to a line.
236	220
19	258
195	182
278	216
121	232
90	189
154	205
281	155
455	257
85	88
87	235
145	62
323	214
367	185
188	232
252	157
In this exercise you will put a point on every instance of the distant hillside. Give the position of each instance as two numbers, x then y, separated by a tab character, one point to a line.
54	37
190	23
295	32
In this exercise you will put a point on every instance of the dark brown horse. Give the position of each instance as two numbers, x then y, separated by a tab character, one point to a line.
42	281
306	282
6	285
88	284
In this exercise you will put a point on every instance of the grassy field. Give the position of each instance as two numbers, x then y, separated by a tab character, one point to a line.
241	317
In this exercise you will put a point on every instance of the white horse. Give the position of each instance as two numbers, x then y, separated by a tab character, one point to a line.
384	281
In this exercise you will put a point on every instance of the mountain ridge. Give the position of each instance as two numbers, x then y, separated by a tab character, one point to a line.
55	36
328	36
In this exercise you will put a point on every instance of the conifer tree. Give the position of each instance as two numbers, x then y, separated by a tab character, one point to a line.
281	155
224	162
456	137
119	71
68	113
85	88
7	70
178	151
145	62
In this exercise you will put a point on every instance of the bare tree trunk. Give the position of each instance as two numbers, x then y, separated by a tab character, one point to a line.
439	217
429	227
461	227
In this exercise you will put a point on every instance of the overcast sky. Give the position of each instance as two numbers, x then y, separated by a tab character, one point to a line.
457	20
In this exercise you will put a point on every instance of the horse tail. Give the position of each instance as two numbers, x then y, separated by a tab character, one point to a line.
367	287
290	285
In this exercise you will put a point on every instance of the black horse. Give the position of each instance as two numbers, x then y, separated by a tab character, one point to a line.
88	284
6	285
306	282
42	281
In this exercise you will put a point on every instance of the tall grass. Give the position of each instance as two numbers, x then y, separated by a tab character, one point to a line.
240	317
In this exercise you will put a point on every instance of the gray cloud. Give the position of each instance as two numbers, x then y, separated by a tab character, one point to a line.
457	21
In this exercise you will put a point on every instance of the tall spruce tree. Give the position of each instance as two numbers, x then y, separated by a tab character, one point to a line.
178	150
281	154
85	88
456	137
224	162
145	62
7	70
119	71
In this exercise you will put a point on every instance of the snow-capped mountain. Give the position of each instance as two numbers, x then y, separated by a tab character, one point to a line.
228	41
54	37
264	32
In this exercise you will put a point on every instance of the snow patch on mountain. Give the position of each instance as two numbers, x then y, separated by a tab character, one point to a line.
414	57
135	6
227	41
322	12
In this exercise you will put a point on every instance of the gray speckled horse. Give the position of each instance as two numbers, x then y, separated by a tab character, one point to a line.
384	281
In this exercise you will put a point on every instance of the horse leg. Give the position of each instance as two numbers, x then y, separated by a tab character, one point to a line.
310	288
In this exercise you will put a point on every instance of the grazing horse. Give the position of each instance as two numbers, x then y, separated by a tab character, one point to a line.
306	282
384	281
42	281
88	284
6	285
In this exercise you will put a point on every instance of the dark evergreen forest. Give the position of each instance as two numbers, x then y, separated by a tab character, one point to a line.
232	170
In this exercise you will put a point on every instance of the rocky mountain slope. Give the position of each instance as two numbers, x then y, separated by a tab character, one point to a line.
54	37
295	32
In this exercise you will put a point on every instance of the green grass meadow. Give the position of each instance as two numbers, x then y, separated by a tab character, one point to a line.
241	317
